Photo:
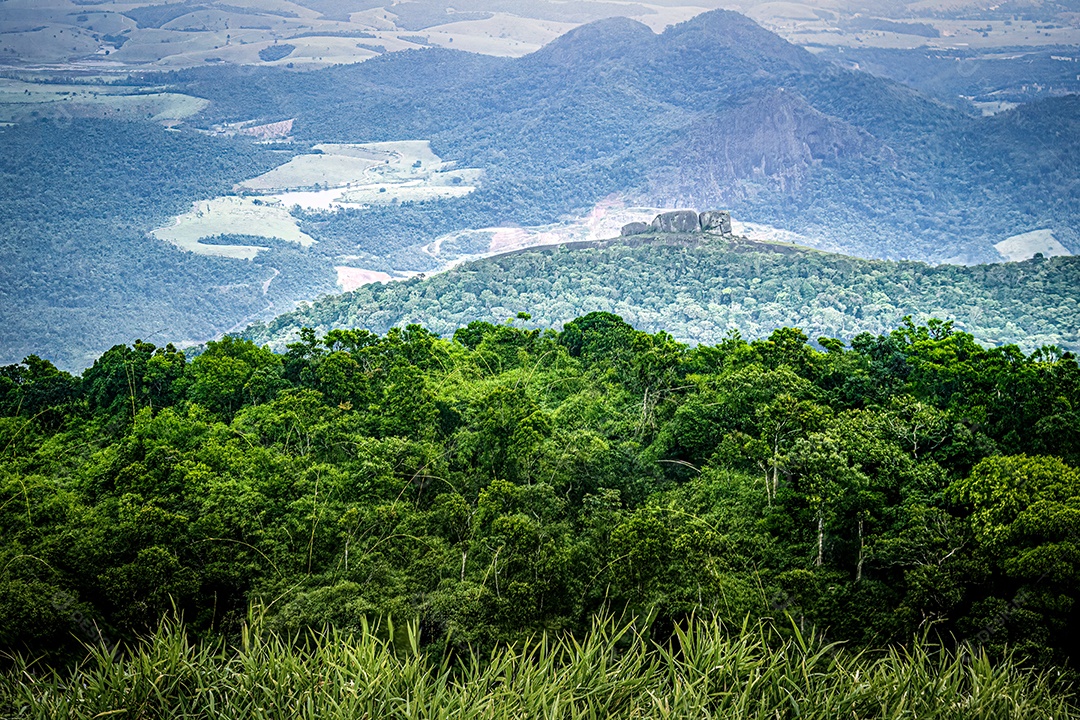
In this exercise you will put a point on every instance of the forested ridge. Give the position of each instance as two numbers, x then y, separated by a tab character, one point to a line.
514	481
700	289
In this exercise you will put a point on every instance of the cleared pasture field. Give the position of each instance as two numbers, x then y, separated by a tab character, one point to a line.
341	165
1024	246
401	151
232	216
22	101
308	171
360	174
415	191
502	35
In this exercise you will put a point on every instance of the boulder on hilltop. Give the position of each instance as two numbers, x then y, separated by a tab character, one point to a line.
634	228
678	221
715	221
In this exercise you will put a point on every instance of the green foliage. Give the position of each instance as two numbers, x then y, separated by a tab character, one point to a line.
1025	515
516	481
704	670
232	372
702	292
80	271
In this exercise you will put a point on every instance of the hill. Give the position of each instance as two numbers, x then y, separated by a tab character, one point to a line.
699	288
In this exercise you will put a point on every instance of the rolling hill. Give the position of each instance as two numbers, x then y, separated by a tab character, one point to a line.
700	288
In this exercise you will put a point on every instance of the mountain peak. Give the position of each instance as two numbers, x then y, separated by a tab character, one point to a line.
738	38
610	38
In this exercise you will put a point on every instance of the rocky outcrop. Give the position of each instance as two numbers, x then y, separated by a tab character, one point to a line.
715	221
772	141
679	221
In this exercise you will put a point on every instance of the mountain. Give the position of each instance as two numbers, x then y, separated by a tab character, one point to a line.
774	137
689	115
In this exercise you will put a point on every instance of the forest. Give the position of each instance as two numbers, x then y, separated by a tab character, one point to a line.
699	289
827	524
80	272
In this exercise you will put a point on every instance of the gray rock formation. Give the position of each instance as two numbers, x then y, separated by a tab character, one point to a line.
634	228
716	221
679	221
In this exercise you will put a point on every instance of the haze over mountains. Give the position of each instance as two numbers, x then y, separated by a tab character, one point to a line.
715	110
608	118
109	35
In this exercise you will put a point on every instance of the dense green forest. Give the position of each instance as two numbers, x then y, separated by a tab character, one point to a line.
699	288
80	273
514	481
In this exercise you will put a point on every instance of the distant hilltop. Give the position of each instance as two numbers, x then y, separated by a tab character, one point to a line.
683	221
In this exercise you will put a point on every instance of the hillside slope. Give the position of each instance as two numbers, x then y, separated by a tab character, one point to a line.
78	271
700	288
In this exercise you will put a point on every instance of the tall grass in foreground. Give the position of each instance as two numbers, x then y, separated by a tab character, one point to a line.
705	672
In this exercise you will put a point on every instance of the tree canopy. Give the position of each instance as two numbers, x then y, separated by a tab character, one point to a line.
514	480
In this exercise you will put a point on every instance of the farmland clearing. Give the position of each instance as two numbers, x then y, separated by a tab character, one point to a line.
1026	245
363	175
331	177
22	101
232	216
